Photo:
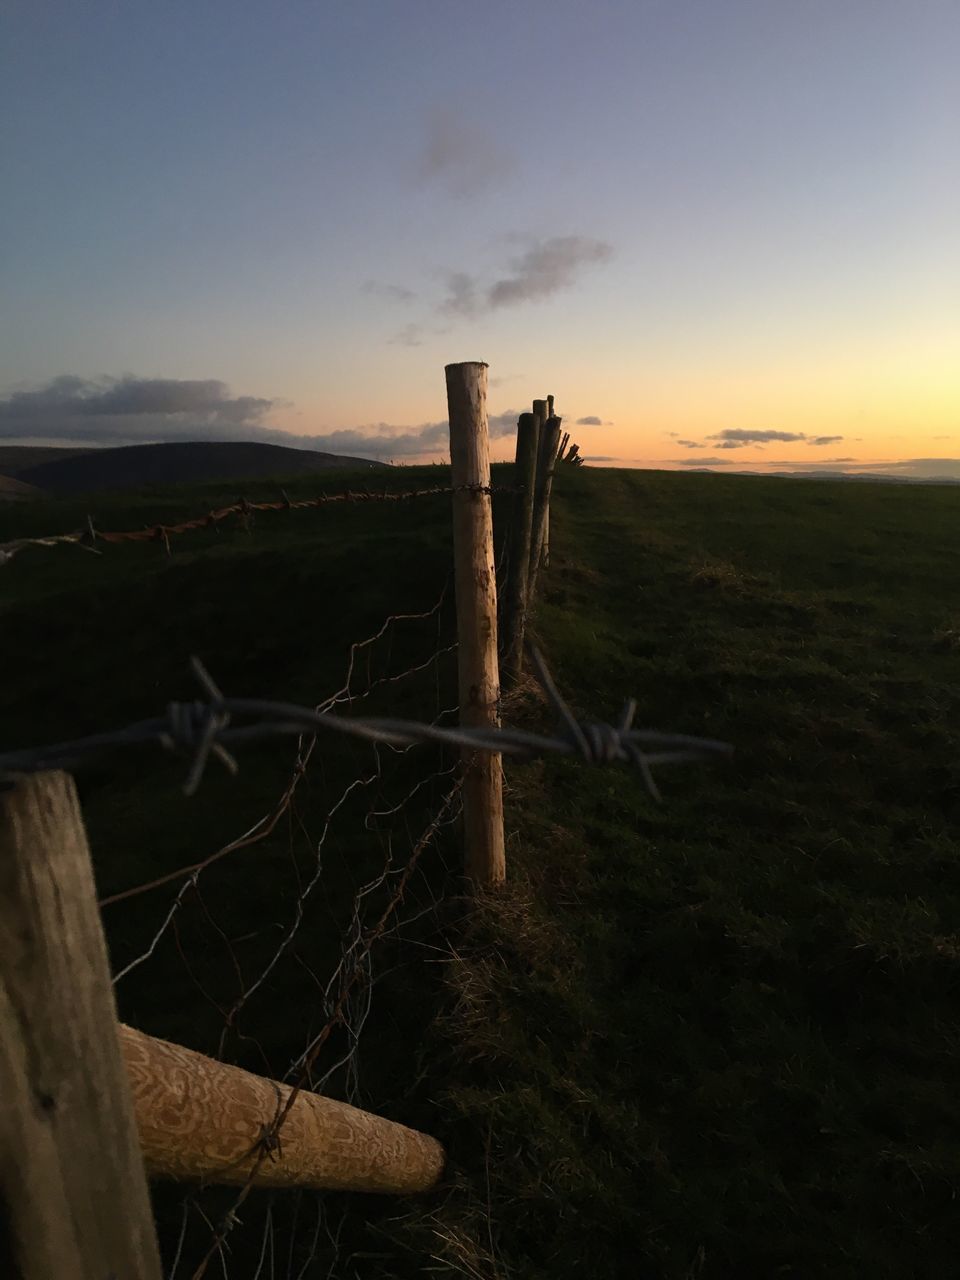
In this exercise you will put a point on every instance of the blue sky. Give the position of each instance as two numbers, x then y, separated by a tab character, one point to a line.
679	217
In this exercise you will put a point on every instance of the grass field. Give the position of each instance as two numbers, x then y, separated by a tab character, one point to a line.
713	1037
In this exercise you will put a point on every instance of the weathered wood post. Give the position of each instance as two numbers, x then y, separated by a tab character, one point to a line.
546	462
72	1180
545	548
525	476
476	590
199	1119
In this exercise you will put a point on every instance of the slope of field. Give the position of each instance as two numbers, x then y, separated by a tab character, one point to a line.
17	458
13	490
134	466
711	1037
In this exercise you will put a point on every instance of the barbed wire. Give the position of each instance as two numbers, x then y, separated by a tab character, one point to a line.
205	730
88	537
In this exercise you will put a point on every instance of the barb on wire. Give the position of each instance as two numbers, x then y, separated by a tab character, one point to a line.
204	729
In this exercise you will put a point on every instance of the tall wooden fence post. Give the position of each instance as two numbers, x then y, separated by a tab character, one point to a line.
476	590
546	462
525	477
72	1180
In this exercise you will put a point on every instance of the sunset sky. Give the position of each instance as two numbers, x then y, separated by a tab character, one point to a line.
723	232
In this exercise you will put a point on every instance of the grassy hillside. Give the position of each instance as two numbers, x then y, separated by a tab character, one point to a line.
181	462
714	1037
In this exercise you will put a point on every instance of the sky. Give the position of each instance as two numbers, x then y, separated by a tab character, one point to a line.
722	233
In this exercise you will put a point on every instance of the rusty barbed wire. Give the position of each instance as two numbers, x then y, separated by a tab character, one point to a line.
85	538
204	730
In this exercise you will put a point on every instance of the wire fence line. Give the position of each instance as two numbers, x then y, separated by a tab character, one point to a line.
87	538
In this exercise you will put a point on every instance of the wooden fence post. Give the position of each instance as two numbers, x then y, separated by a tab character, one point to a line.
476	590
543	410
199	1119
549	440
525	475
72	1180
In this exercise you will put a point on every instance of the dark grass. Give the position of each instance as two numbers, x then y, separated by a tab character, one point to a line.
718	1037
715	1037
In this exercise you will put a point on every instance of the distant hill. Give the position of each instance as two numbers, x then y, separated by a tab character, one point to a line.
13	490
134	466
15	459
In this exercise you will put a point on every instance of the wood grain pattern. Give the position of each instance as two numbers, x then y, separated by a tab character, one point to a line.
202	1120
476	590
71	1175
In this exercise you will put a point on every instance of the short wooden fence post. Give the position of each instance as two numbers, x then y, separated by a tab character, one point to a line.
525	477
72	1179
546	462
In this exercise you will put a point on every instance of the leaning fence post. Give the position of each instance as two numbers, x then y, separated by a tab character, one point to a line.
201	1120
476	591
549	439
72	1180
525	477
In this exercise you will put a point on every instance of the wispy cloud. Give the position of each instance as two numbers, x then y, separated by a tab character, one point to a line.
591	420
411	335
741	438
462	295
395	292
701	462
738	437
545	268
461	157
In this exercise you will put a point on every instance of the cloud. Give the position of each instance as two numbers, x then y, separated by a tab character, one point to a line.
599	457
737	438
591	420
119	410
462	298
461	157
547	267
381	440
409	336
395	292
701	462
691	444
130	410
